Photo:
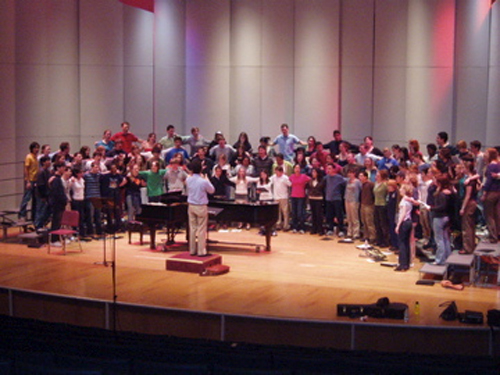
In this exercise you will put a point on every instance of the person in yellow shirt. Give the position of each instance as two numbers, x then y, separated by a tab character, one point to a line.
30	175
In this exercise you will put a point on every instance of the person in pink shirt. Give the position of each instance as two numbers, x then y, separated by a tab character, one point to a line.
298	198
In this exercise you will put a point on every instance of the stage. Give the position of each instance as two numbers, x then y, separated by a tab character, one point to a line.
286	296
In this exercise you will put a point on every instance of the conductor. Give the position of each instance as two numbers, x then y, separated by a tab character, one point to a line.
198	188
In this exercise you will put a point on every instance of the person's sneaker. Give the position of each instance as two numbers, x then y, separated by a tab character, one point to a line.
274	234
329	233
294	231
301	231
56	244
341	234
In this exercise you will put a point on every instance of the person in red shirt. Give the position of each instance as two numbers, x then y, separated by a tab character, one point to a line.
321	154
126	137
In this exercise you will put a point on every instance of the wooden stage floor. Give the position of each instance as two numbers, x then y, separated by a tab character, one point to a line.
304	277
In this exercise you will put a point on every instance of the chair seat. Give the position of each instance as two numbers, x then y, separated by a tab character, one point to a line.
69	220
63	232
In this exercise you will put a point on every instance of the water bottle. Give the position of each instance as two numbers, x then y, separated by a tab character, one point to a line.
417	308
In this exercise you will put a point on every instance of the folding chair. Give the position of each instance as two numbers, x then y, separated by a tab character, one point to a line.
70	220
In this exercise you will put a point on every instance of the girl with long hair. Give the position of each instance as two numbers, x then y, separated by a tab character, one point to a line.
491	194
442	209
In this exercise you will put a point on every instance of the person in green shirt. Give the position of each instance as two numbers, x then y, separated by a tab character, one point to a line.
381	219
154	182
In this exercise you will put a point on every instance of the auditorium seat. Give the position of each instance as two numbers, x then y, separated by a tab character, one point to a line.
28	369
242	358
159	368
6	367
108	366
223	370
34	347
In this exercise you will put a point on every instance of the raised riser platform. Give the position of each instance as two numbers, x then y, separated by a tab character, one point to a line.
184	262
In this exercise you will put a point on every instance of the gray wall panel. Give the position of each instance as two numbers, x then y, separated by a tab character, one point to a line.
138	33
494	36
245	103
246	33
169	74
429	95
356	68
471	79
277	99
138	98
316	75
207	104
357	33
32	105
101	100
7	31
278	33
246	72
208	65
316	101
391	32
169	98
429	103
472	34
101	32
492	136
357	102
472	102
277	66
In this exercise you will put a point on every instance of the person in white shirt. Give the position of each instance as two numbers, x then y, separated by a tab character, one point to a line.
77	187
264	187
404	227
424	181
242	184
281	191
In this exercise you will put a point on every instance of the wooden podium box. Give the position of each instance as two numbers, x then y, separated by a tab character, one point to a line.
184	262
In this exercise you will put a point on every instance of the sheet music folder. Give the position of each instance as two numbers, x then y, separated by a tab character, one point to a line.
214	211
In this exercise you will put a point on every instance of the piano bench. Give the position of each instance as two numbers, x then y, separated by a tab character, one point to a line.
136	227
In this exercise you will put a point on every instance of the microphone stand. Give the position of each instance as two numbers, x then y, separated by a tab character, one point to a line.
109	205
114	218
106	205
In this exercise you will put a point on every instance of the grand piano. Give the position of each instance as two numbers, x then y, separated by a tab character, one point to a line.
264	214
173	215
158	215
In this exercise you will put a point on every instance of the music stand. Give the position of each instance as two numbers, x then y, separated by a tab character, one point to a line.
109	205
105	204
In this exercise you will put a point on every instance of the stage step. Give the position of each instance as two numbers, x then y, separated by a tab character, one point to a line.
433	269
464	261
184	262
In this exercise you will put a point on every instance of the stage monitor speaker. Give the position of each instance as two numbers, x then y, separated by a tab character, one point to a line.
389	311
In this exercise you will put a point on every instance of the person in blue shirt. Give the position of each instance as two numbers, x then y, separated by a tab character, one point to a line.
387	160
286	143
198	188
177	149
